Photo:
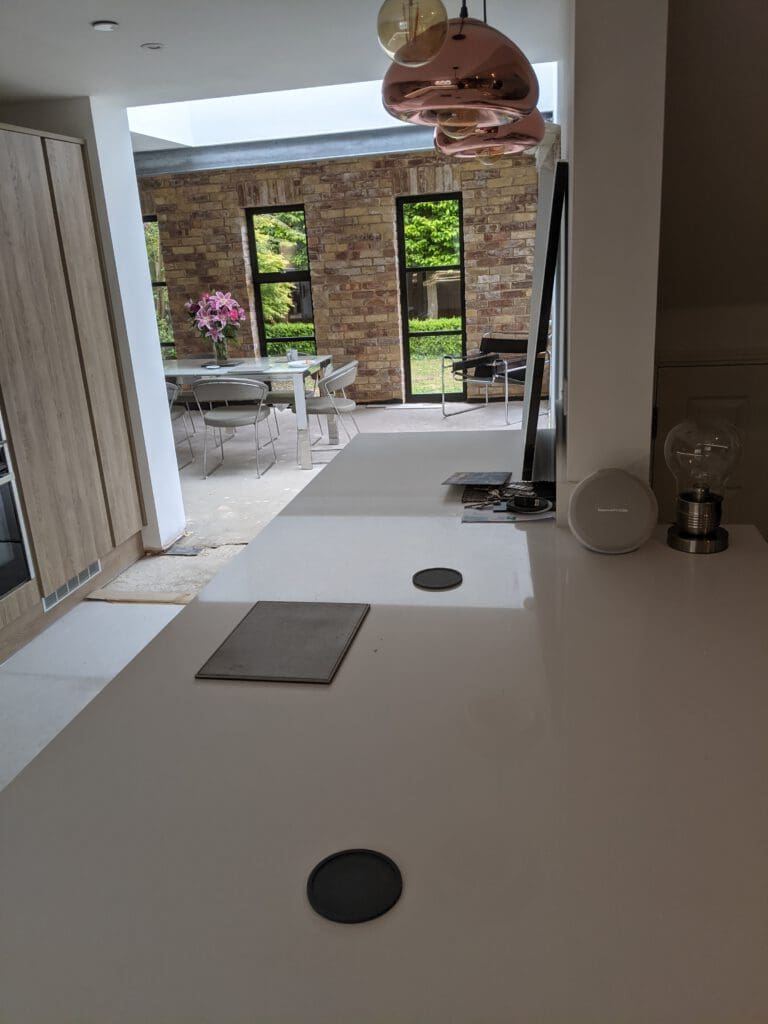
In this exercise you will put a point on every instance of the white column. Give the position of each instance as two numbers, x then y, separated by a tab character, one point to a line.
616	143
120	208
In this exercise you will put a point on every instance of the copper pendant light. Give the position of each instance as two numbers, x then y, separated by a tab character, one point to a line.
479	79
495	142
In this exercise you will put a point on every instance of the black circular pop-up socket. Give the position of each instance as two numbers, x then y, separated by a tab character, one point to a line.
528	503
437	579
353	886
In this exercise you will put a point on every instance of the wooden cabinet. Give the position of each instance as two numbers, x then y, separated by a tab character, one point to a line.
59	380
71	198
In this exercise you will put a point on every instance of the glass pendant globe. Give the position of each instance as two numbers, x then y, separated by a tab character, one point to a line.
701	455
412	32
491	155
458	124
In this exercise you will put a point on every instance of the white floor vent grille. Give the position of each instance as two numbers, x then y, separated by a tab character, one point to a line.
71	586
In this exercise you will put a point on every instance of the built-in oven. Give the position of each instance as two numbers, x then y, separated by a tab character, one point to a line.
15	563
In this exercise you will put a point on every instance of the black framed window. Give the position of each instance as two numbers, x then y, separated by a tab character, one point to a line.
159	287
281	279
431	258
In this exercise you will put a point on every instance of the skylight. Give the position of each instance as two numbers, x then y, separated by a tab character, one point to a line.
290	114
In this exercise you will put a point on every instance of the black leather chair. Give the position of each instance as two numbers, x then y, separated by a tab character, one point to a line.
500	360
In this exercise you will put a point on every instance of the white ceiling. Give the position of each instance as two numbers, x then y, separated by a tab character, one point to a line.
226	48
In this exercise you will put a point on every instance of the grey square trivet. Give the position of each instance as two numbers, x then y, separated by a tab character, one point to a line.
287	642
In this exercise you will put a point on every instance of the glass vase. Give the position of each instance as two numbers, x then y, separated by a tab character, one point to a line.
220	351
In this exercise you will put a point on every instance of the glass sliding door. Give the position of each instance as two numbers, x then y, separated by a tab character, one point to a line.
431	258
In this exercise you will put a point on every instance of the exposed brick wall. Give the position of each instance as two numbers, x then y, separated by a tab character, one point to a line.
351	232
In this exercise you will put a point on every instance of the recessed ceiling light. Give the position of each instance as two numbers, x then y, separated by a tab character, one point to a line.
152	46
104	26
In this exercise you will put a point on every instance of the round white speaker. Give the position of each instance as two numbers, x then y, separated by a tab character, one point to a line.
612	512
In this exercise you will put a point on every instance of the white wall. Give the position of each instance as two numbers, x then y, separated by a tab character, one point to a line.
615	146
104	125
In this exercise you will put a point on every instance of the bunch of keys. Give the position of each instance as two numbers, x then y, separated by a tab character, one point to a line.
506	494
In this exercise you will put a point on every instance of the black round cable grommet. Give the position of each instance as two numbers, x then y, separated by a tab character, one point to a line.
353	886
438	578
528	504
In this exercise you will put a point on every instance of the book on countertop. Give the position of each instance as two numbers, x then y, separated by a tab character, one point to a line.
287	642
486	478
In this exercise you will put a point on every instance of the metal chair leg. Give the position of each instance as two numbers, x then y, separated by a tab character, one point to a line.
188	437
272	441
258	465
344	427
205	452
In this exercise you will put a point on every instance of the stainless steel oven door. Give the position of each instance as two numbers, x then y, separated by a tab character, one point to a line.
14	564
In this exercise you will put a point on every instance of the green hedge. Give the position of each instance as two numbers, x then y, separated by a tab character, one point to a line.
289	330
422	345
444	323
432	345
280	348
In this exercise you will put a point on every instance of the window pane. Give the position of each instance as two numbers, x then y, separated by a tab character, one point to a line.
426	363
307	346
434	294
154	255
164	324
431	231
287	309
281	241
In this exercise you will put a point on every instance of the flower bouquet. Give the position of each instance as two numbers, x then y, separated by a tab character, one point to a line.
217	316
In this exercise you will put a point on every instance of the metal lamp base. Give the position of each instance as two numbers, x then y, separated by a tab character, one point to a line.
704	545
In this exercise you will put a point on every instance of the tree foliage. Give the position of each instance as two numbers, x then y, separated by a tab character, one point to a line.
277	296
282	233
160	292
154	255
281	244
431	230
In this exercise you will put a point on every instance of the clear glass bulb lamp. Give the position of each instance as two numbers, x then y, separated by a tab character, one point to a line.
412	32
701	455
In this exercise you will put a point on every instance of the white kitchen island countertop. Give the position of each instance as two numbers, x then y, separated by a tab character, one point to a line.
566	756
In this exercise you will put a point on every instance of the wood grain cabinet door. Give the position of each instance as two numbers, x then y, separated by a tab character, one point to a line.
41	379
82	263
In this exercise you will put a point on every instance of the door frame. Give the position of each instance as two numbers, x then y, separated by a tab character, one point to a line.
405	346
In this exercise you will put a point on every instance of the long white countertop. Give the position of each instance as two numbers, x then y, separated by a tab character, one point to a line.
566	756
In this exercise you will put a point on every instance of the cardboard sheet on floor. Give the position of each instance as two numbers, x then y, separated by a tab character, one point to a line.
287	642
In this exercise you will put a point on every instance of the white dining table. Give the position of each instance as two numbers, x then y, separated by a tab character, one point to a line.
267	368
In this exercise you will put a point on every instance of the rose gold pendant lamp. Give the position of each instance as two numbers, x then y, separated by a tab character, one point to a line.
492	142
478	82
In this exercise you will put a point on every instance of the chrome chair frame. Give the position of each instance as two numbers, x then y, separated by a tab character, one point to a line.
178	415
332	399
233	389
495	357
